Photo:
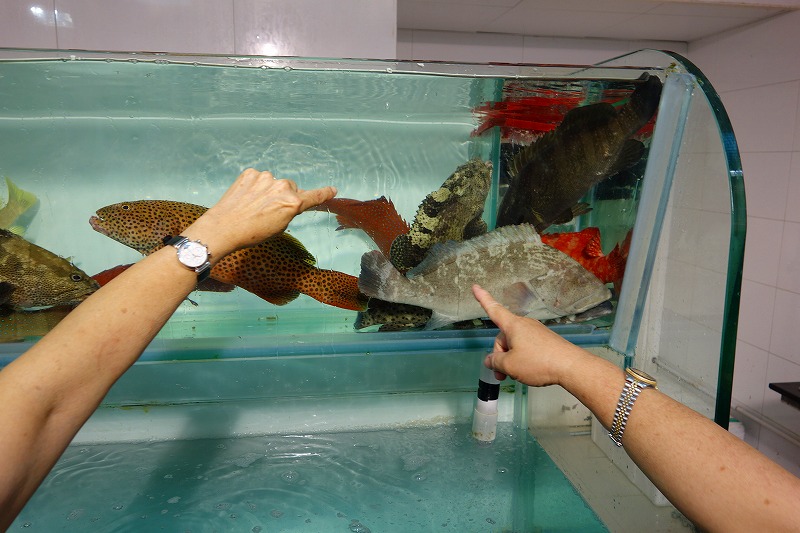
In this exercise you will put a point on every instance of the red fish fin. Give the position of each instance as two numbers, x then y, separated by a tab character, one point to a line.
594	248
337	289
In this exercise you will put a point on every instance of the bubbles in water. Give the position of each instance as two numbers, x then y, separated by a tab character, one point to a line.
168	476
117	506
27	524
419	476
174	499
222	506
287	68
256	529
502	470
413	462
275	513
489	520
251	506
389	70
358	527
75	514
234	516
290	476
221	446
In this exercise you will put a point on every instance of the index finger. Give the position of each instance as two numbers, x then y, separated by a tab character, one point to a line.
494	309
314	197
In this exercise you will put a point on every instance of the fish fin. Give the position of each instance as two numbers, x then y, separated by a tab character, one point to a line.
576	210
517	298
632	151
276	298
447	252
439	320
379	278
6	290
213	285
475	227
297	249
24	199
17	230
594	247
337	289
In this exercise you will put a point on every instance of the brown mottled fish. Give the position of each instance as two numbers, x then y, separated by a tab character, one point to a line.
277	270
450	213
36	277
549	177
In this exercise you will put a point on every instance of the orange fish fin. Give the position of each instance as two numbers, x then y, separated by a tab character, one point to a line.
276	298
593	247
337	289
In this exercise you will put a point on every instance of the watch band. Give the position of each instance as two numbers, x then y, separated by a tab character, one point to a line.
635	382
177	241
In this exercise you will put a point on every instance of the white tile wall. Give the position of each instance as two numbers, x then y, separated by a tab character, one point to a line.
346	28
757	73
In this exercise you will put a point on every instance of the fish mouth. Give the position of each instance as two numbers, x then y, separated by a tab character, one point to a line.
97	224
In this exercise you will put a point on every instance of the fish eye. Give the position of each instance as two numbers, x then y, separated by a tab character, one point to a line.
125	207
76	277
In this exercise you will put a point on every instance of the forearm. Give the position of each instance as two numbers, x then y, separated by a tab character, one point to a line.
715	479
50	391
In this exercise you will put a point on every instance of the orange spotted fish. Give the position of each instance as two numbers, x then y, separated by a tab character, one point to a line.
377	218
277	270
208	284
585	247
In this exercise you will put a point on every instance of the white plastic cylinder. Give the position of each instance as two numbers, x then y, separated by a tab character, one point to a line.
484	418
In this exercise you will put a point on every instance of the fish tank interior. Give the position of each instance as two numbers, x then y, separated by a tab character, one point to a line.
355	414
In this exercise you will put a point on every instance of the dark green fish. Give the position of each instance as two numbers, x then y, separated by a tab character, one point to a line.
450	213
32	277
453	212
593	142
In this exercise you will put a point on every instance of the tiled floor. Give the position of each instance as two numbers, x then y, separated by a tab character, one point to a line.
618	503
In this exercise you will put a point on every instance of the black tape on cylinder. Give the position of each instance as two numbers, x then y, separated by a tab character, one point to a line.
488	391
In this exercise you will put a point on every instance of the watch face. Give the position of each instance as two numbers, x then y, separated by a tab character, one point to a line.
192	254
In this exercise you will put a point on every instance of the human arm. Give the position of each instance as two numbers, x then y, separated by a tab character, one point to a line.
719	482
51	390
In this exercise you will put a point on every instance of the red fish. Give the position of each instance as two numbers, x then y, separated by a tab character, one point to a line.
208	284
524	113
585	247
377	218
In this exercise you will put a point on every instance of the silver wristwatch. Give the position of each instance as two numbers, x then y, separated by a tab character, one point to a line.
635	382
192	254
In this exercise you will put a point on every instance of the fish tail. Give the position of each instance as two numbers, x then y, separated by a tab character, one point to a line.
379	278
24	199
337	289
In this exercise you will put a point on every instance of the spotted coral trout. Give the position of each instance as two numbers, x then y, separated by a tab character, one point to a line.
277	270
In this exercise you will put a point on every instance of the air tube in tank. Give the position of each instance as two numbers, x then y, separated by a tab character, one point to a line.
484	419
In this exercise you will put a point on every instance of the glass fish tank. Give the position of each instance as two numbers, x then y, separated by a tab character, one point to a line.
326	380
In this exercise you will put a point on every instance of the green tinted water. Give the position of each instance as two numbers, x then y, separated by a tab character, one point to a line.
432	479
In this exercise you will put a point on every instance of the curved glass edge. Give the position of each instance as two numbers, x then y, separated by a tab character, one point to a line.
669	60
668	133
733	287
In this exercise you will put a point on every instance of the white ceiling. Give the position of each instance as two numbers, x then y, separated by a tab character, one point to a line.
673	20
